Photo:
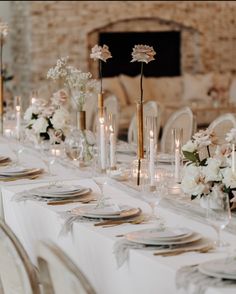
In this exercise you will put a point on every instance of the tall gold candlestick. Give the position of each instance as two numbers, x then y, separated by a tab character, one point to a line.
1	104
140	138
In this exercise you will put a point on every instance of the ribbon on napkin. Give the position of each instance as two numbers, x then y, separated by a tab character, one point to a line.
190	275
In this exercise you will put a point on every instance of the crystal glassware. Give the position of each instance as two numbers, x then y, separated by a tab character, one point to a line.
218	213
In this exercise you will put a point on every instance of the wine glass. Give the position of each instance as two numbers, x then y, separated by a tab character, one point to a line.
73	146
218	214
153	194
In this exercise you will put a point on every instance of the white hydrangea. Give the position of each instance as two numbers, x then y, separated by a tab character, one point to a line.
29	112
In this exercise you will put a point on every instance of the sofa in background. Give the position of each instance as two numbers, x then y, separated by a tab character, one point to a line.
208	94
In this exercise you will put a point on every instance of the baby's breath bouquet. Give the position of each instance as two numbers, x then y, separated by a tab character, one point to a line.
80	84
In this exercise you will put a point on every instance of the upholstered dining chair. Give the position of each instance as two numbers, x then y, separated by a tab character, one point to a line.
58	274
17	274
182	118
222	125
151	109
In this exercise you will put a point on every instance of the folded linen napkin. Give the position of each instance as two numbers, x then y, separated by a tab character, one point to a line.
190	275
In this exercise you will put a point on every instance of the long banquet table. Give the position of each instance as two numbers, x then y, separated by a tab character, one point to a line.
92	248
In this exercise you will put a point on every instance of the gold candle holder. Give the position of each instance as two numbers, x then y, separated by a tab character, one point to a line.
1	104
81	120
140	138
101	105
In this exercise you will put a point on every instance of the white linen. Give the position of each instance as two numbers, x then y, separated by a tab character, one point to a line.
91	248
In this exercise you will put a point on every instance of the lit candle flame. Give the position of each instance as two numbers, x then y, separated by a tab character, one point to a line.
101	120
151	134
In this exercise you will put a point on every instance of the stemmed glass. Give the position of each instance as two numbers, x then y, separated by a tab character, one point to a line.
218	214
101	182
155	193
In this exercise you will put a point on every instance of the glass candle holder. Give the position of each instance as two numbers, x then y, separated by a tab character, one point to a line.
177	141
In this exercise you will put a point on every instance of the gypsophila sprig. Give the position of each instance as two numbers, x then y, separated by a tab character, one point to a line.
80	84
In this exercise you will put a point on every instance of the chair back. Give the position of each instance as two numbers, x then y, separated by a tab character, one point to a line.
152	109
182	118
17	274
58	274
222	125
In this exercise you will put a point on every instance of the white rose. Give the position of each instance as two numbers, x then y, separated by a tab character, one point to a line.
212	171
192	182
190	146
29	112
229	178
40	125
60	118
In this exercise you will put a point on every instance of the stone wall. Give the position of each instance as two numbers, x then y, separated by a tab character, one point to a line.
44	30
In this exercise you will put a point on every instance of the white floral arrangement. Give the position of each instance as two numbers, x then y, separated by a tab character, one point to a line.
100	53
206	173
48	120
143	54
80	85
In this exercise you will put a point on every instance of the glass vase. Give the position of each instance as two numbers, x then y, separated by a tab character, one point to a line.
79	143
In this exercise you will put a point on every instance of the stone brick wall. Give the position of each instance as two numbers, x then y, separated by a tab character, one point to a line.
44	30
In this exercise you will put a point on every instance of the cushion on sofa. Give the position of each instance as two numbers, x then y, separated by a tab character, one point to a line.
132	88
232	91
197	87
166	89
113	86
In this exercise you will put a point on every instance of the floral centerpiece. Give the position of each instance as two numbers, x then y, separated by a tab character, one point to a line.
143	54
209	166
48	120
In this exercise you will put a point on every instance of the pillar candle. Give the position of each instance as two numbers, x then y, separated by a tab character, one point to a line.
152	164
112	149
177	161
102	144
18	121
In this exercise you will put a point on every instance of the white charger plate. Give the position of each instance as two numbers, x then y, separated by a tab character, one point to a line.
138	238
224	268
82	192
16	171
109	212
160	234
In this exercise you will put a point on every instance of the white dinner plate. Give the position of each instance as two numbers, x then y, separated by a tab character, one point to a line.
58	190
110	212
224	268
17	171
48	195
138	238
160	234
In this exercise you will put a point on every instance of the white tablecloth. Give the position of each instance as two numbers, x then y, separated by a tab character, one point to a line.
91	248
